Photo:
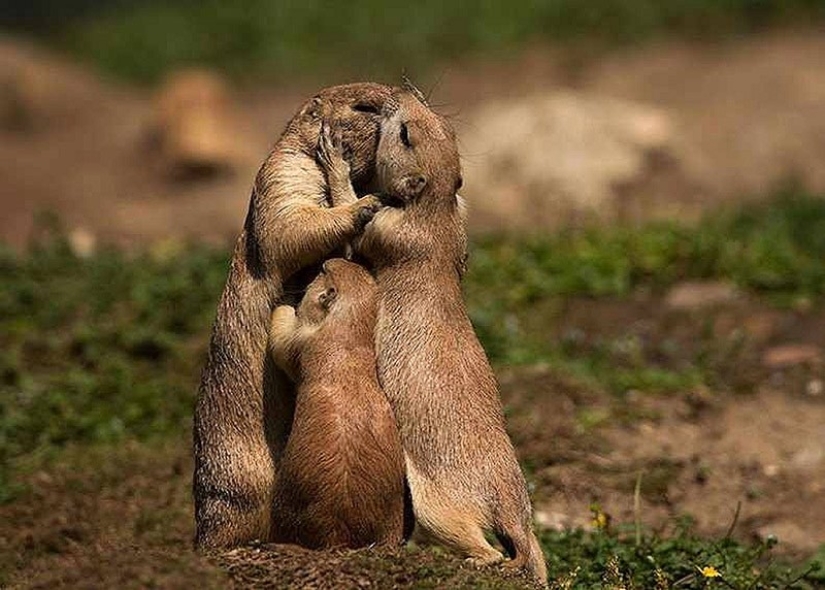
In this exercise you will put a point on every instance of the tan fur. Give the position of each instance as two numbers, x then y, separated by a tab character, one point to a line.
461	466
341	478
245	406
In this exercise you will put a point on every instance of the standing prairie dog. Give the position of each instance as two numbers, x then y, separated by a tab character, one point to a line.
245	405
461	466
341	478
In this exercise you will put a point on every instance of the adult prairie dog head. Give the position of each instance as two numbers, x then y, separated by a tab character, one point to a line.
418	168
356	111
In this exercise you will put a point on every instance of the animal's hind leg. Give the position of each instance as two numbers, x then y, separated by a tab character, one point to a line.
455	526
228	520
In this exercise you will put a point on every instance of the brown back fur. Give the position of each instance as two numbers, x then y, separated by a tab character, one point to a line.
461	466
245	406
341	478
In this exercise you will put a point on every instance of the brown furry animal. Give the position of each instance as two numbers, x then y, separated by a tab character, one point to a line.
341	478
245	406
461	466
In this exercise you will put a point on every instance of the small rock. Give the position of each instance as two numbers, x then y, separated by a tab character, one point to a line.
808	458
554	521
82	242
771	470
697	295
791	355
37	89
761	326
814	387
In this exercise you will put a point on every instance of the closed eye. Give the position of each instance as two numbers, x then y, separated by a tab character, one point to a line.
363	107
405	135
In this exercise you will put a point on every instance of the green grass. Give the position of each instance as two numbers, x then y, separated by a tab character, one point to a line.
612	560
100	350
374	38
775	250
110	347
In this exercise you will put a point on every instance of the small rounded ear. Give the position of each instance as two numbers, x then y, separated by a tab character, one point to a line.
327	297
313	109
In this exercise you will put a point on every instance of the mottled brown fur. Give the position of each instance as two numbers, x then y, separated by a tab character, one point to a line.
461	466
341	477
245	406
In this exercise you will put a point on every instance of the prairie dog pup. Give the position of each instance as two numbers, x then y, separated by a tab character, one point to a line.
461	466
341	478
245	405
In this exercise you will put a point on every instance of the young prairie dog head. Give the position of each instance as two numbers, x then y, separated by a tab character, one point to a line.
356	110
338	310
341	289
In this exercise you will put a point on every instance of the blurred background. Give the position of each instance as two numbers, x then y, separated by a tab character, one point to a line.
646	185
566	111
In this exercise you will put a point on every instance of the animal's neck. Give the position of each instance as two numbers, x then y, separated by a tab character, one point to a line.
430	278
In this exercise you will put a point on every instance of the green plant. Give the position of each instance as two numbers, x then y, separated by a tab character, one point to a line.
371	37
101	349
612	559
110	347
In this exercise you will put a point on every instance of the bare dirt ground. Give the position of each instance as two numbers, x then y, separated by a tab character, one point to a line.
123	518
757	438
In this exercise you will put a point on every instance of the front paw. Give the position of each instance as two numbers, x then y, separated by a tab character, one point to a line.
366	208
330	152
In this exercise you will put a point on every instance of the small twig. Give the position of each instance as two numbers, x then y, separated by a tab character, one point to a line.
735	520
684	579
790	583
637	516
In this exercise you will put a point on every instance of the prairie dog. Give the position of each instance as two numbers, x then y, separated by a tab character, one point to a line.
245	405
461	466
341	478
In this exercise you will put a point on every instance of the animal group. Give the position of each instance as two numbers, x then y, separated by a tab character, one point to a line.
345	396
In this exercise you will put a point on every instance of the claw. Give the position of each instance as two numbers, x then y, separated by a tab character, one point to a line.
330	150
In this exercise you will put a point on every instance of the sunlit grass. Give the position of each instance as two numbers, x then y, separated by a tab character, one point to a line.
110	347
370	37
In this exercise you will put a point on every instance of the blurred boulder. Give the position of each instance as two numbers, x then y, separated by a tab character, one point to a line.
693	295
547	160
195	125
